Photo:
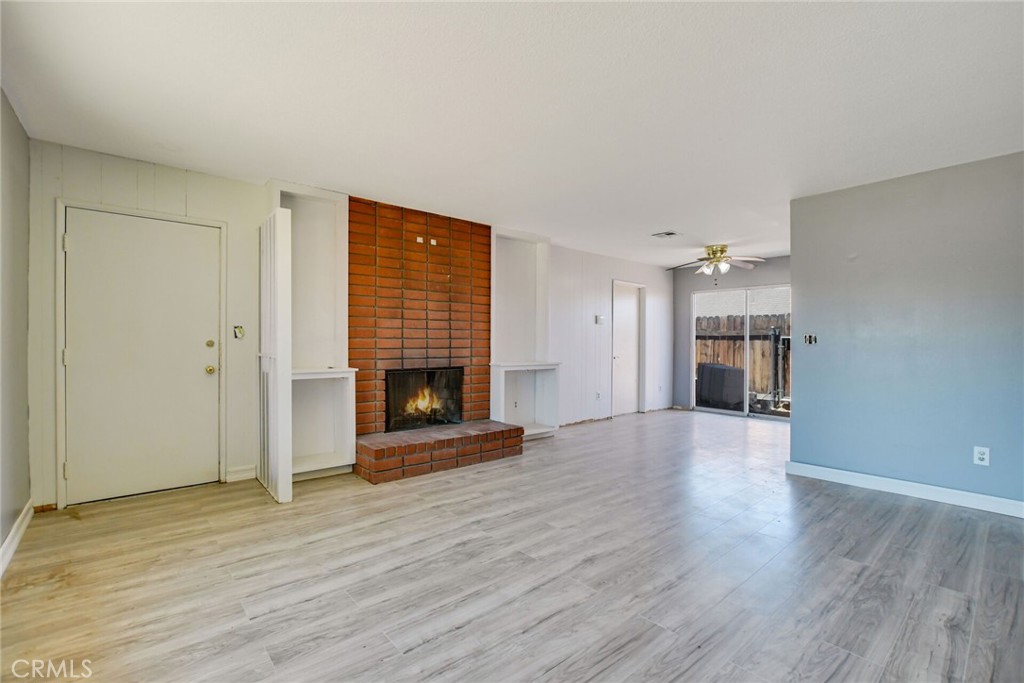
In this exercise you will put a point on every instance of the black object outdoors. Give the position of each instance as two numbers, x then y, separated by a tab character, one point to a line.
719	386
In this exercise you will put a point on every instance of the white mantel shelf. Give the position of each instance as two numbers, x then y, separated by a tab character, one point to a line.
322	373
525	365
526	393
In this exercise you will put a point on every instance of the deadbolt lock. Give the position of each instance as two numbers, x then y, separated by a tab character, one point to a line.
209	342
210	369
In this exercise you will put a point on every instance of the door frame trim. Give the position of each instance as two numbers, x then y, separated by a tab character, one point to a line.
60	228
641	380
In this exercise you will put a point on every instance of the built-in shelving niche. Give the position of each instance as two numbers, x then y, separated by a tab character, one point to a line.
524	386
526	394
323	386
307	390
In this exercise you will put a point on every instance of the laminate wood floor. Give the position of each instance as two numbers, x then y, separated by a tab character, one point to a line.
661	547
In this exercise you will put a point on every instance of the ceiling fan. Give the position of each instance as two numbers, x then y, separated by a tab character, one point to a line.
717	257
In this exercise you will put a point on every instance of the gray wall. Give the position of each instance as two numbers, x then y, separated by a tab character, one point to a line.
14	482
774	271
914	287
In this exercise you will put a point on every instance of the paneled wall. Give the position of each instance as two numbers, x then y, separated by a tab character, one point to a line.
580	289
78	175
419	297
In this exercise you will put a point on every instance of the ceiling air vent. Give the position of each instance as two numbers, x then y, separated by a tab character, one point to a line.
665	235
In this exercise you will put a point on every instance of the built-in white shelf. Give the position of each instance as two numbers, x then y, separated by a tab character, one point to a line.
323	418
318	461
322	373
525	393
516	366
323	386
535	430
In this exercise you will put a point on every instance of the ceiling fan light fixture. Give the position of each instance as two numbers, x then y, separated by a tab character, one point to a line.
717	255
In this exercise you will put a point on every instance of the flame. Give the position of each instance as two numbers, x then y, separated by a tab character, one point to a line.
424	402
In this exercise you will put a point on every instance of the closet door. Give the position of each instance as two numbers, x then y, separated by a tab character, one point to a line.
274	469
625	348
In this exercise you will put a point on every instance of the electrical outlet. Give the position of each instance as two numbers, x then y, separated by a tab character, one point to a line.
981	456
599	396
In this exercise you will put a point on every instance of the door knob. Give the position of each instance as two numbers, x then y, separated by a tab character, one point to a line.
210	369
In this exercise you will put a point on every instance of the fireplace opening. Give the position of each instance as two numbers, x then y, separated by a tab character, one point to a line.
419	398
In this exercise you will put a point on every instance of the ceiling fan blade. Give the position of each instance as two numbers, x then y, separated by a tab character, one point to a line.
755	259
741	264
687	265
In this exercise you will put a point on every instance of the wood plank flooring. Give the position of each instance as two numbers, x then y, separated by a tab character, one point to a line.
660	547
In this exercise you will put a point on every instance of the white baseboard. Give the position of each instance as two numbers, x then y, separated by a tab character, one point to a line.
240	473
14	538
967	499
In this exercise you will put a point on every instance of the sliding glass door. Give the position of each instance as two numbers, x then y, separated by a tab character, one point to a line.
720	350
741	351
769	328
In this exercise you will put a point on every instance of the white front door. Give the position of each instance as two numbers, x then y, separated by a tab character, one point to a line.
142	312
625	349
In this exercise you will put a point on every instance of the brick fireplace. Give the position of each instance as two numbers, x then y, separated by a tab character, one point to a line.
419	299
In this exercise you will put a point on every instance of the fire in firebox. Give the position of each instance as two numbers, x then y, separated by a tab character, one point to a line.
423	403
422	397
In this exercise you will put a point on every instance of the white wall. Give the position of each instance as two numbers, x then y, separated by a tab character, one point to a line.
514	304
915	290
581	288
79	175
774	271
319	281
14	241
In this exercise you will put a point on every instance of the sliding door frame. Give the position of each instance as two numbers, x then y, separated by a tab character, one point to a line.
746	352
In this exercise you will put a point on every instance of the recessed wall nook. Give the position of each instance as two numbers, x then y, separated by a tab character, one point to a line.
307	390
524	384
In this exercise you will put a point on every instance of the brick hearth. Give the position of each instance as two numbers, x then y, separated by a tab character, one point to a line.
398	455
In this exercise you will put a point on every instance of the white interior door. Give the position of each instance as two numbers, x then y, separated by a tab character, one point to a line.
274	468
142	321
625	349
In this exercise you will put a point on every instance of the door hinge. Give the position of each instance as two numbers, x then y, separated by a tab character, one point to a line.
65	469
64	242
64	357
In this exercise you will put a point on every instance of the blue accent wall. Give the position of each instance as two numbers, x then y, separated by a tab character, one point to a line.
915	290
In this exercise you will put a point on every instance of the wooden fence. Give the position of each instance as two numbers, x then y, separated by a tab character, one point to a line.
720	340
